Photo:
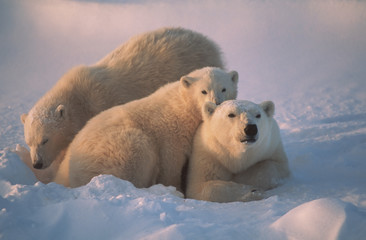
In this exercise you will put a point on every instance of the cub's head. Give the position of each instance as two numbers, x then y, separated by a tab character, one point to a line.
46	133
239	124
210	84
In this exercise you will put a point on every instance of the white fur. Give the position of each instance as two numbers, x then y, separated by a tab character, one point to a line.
146	141
225	166
132	71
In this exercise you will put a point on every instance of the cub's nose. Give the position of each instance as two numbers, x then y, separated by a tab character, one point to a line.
251	130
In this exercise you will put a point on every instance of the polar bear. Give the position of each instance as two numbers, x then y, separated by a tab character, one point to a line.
132	71
237	153
146	141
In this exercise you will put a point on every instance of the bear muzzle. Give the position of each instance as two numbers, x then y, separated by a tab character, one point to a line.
38	163
251	132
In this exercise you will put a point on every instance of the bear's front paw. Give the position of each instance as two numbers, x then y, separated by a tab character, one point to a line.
20	150
252	194
23	154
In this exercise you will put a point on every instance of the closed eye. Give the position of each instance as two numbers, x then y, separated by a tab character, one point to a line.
44	141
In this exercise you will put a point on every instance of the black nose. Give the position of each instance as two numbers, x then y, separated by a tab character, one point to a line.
251	130
38	163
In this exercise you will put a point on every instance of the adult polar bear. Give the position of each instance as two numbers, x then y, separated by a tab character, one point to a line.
237	152
132	71
146	141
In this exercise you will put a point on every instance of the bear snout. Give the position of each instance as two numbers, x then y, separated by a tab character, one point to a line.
38	164
251	130
216	100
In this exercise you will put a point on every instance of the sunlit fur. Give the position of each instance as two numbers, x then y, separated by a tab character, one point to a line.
146	141
224	166
132	71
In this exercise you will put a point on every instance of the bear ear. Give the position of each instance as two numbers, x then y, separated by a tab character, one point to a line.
234	76
268	107
186	81
208	109
23	117
60	111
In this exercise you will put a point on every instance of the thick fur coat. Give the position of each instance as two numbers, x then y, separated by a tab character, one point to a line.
237	153
146	141
132	71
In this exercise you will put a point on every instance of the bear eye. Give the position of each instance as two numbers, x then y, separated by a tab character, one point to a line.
258	116
223	90
44	141
231	115
204	92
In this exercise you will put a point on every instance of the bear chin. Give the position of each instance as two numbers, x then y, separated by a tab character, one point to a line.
248	141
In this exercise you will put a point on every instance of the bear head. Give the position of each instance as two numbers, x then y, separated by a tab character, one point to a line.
51	124
210	84
238	127
47	133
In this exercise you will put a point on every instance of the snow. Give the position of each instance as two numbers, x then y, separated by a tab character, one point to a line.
308	57
335	218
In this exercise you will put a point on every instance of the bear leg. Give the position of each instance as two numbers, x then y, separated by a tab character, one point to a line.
266	174
45	175
128	154
225	191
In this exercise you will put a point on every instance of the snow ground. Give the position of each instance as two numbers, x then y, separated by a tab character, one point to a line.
307	56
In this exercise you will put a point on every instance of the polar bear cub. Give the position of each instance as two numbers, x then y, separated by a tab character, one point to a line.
147	141
236	151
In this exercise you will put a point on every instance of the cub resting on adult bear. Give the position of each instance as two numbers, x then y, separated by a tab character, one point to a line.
237	153
132	71
146	141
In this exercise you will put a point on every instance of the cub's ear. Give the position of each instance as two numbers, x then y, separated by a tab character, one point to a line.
234	76
268	107
60	111
186	81
23	117
208	109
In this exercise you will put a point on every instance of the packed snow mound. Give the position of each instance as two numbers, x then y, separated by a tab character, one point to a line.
12	169
55	212
325	218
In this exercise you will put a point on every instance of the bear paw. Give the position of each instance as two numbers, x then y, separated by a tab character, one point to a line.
252	194
23	154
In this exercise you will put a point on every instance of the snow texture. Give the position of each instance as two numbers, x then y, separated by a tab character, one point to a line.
308	57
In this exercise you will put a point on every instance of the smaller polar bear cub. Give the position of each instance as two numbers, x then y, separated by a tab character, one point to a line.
236	151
